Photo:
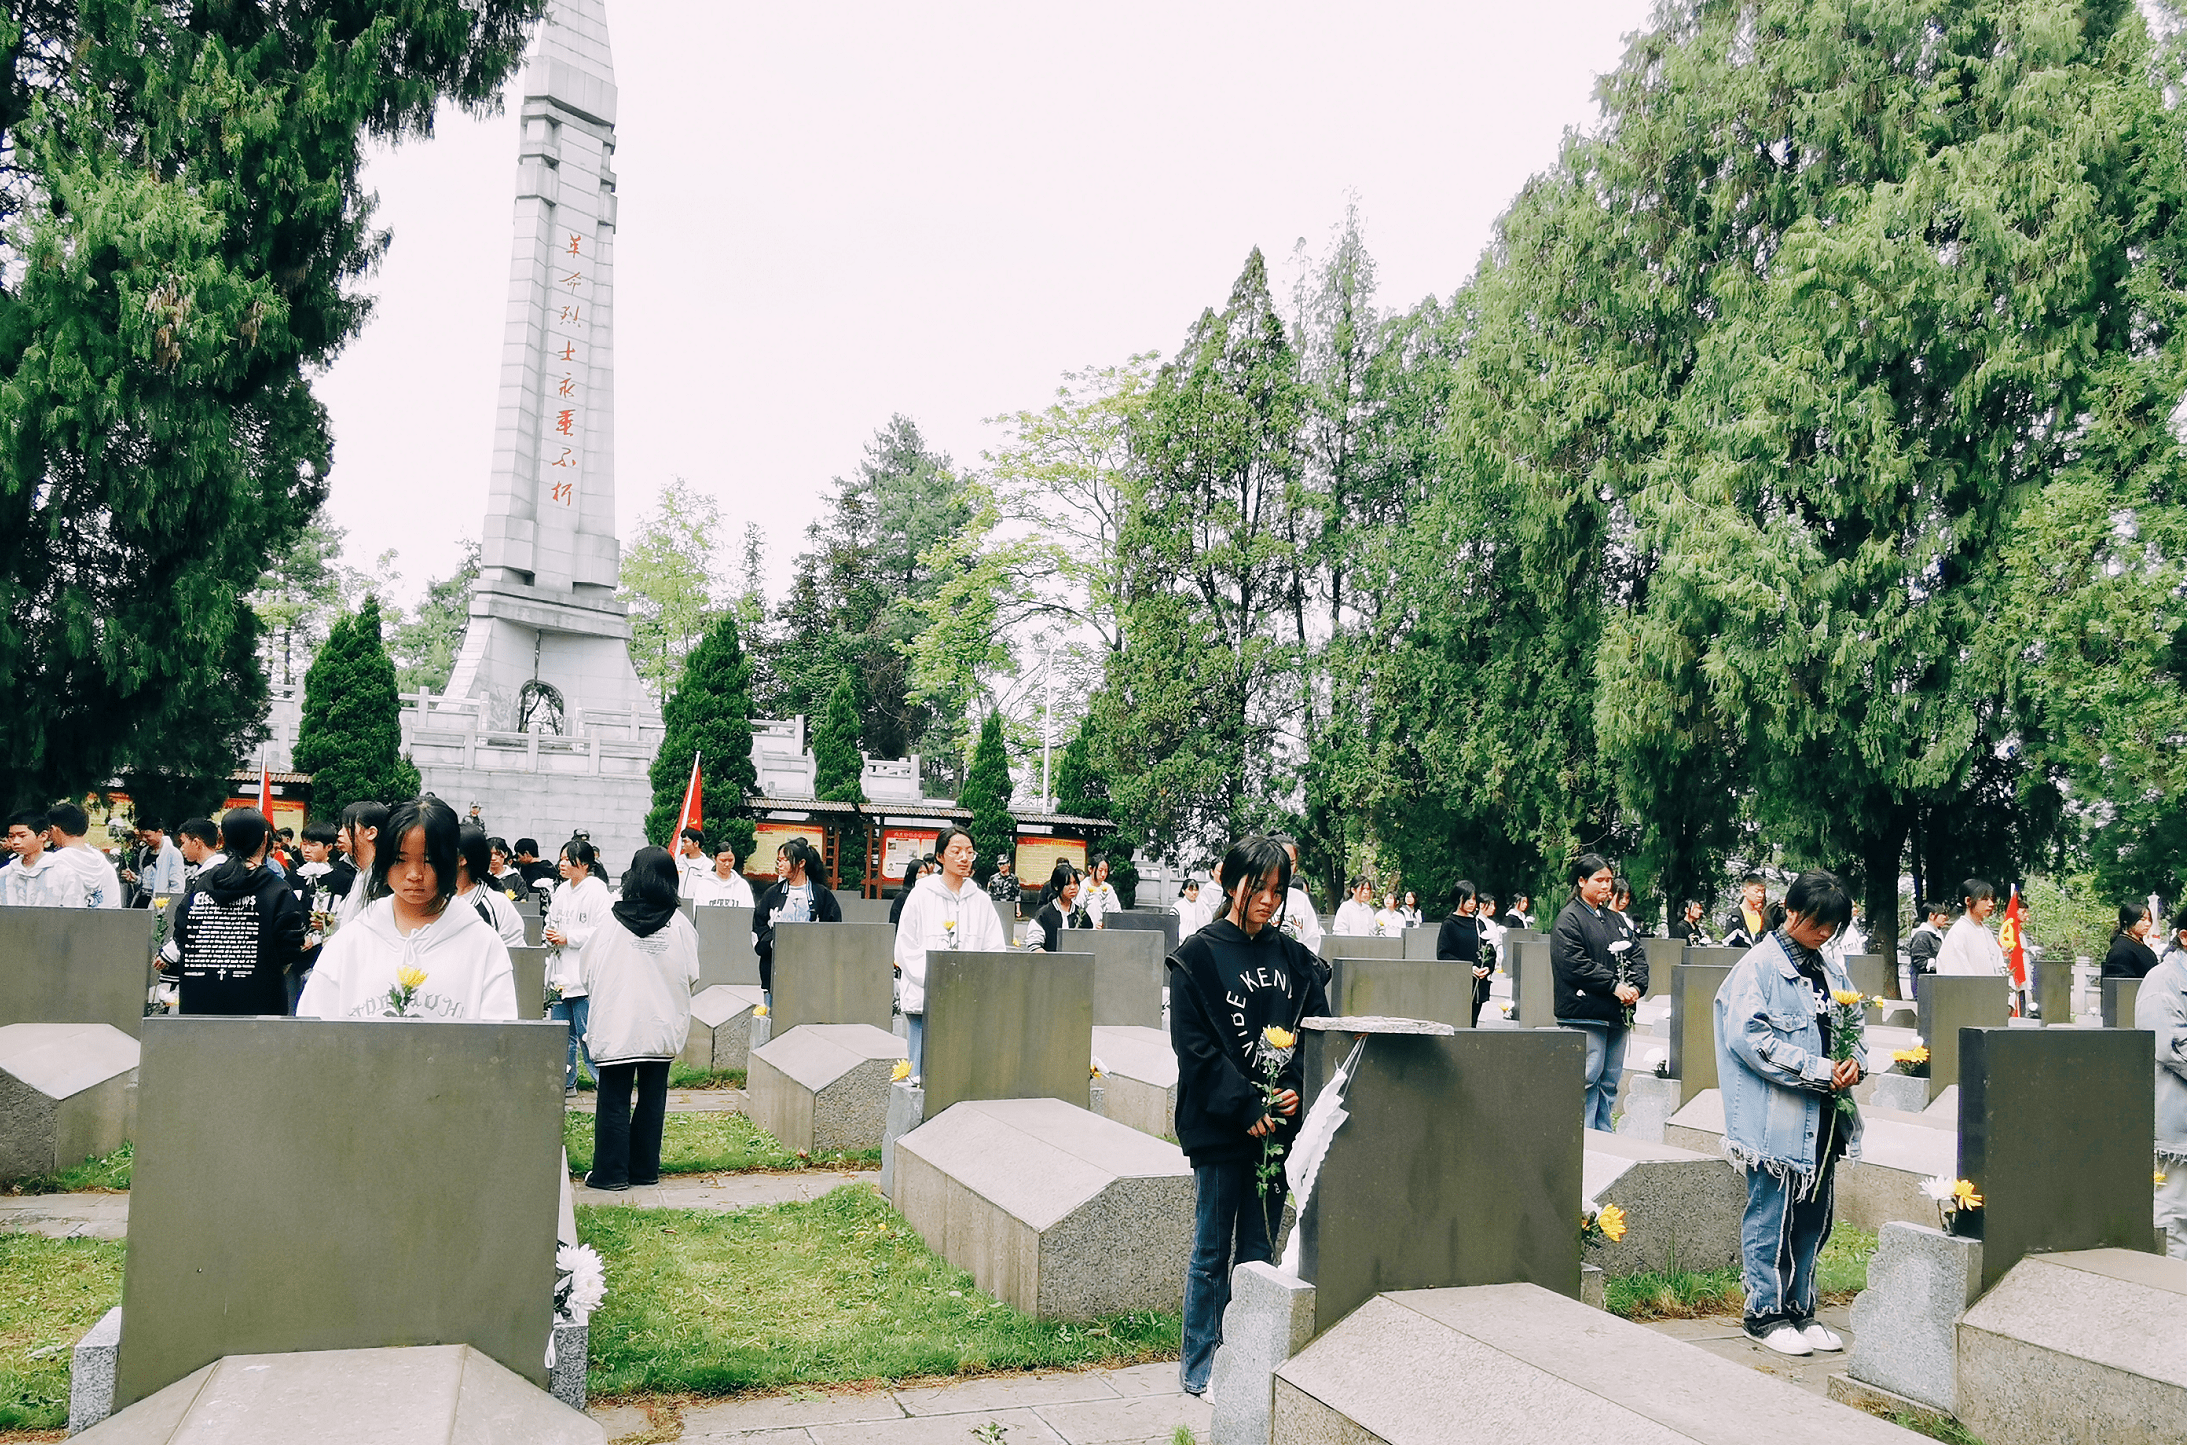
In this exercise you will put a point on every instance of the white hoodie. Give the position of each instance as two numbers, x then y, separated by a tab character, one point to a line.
1354	919
465	963
935	918
506	920
575	911
1970	948
640	989
96	884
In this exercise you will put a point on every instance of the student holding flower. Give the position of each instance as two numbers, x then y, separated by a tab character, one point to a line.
1784	1122
947	911
1237	990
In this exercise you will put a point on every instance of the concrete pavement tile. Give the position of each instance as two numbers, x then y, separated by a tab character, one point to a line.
1099	1422
784	1436
1713	1327
769	1412
619	1420
1155	1379
1003	1392
1020	1427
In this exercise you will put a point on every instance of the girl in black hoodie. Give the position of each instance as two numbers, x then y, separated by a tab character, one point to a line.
1229	984
238	930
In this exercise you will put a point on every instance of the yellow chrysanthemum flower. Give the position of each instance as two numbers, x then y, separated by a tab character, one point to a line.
1963	1191
760	1012
1611	1222
410	977
1846	997
1277	1038
2160	1177
902	1071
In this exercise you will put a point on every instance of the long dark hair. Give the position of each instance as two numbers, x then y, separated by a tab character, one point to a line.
442	834
581	852
1255	858
1062	876
2129	915
649	892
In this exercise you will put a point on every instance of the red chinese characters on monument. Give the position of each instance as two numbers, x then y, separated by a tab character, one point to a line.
563	420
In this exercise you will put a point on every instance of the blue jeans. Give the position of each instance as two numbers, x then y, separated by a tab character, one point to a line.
915	1043
1779	1238
1605	1067
576	1012
1228	1209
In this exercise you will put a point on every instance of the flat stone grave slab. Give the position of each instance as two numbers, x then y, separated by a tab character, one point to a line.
1518	1363
1693	1019
75	966
422	1395
1897	1154
1402	988
725	945
1139	1079
1533	985
1006	1026
399	1179
1127	975
1460	1163
721	1026
2119	998
530	967
1682	1207
1949	1003
68	1093
1345	945
1153	920
2053	1173
1664	954
832	973
1052	1209
2082	1347
824	1088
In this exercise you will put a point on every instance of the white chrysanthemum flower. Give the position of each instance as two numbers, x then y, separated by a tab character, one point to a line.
588	1280
1942	1189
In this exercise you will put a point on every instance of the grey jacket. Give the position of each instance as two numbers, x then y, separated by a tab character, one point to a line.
2161	1008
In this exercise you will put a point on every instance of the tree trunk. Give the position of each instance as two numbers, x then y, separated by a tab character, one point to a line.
1881	864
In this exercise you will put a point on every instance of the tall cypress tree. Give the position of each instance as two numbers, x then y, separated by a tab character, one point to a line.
987	795
350	738
838	774
709	713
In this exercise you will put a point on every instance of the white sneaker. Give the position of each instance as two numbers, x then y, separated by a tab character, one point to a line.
1821	1337
1787	1340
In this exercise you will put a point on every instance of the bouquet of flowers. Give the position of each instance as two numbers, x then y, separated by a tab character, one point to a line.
1848	1018
1953	1198
580	1283
1913	1062
1606	1224
1622	952
1272	1055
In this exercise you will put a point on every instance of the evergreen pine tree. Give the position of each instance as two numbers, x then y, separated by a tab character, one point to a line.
838	772
350	738
709	713
1081	792
987	795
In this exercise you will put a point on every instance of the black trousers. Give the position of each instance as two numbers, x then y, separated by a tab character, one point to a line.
626	1145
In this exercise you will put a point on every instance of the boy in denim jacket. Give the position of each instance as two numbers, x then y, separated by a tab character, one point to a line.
1781	1124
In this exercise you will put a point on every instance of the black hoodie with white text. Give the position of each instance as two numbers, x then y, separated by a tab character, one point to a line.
1225	988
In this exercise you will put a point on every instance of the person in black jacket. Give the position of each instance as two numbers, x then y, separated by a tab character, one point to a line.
1601	972
238	931
2130	955
798	896
916	869
1230	985
1462	939
1059	912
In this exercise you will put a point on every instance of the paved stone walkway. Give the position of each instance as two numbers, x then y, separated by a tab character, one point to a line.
1721	1335
680	1101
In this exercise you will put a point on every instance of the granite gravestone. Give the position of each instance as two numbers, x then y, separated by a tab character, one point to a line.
1420	942
75	966
1007	1026
2054	991
1127	975
1460	1164
1693	1022
68	1092
1533	985
833	973
1148	919
1348	945
725	945
1663	955
2053	1173
305	1184
530	968
863	910
1715	957
1949	1003
1405	988
535	929
2119	997
1869	973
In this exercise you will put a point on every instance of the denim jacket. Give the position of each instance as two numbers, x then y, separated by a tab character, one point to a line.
1771	1066
2161	1008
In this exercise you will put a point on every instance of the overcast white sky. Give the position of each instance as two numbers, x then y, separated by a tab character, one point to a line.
832	213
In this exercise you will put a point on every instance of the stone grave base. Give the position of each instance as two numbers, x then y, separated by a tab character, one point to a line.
2084	1346
1270	1319
68	1092
1920	1282
422	1393
1051	1208
1902	1092
906	1112
1647	1103
1519	1363
1139	1079
721	1026
1682	1208
1898	1152
824	1087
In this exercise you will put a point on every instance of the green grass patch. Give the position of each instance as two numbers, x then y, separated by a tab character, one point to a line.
713	1142
832	1291
1841	1272
106	1172
55	1290
682	1076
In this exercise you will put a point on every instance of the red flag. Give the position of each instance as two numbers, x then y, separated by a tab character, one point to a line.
265	791
690	817
2010	939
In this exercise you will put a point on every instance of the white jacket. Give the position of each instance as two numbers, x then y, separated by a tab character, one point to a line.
640	989
465	963
96	884
935	918
1299	920
1354	919
506	920
1095	898
44	884
710	887
575	911
1970	948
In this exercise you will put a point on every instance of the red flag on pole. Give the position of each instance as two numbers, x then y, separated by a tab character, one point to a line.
690	817
265	789
2010	939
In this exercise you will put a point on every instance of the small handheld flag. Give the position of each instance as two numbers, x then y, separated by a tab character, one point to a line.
691	810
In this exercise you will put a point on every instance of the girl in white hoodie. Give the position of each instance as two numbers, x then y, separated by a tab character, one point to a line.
639	968
580	902
407	954
946	911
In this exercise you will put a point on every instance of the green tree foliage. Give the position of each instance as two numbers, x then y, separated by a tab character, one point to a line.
986	796
710	715
183	771
425	646
188	228
1082	790
668	583
297	600
839	772
350	738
